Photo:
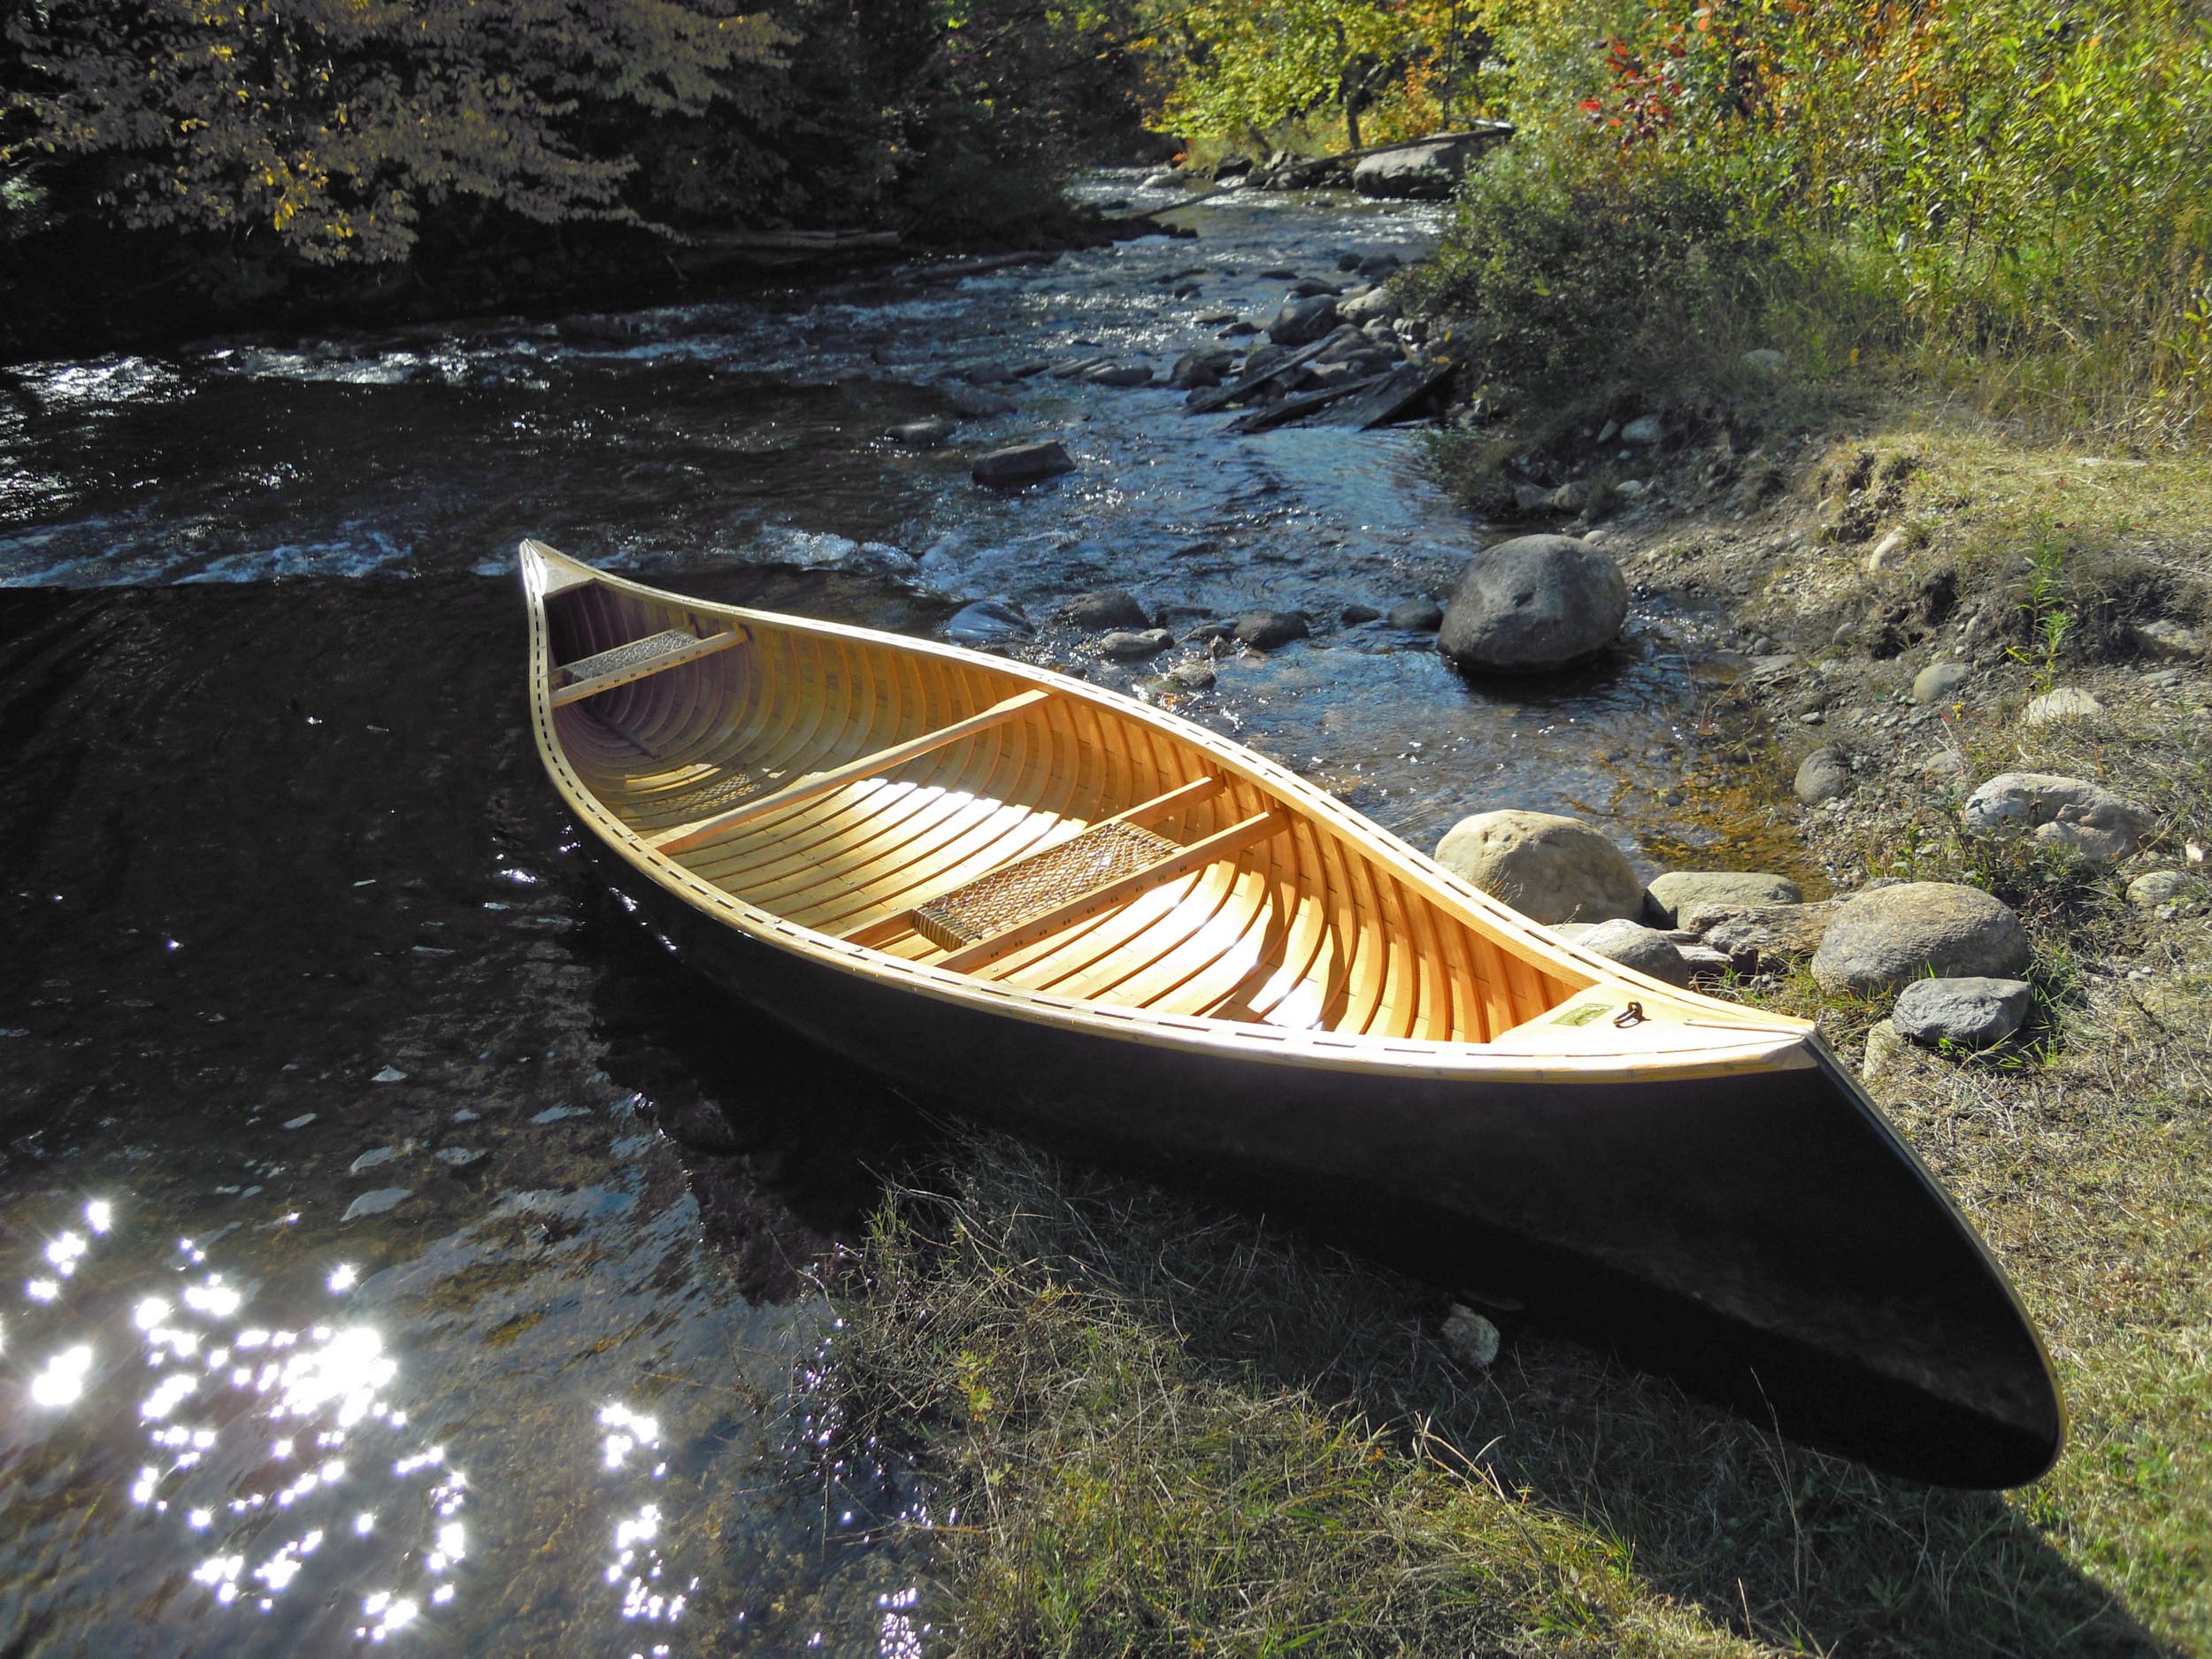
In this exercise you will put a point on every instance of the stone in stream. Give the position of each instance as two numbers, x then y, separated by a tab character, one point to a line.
1416	616
1973	1013
1637	947
459	1158
987	374
1197	676
1551	869
1268	630
1356	616
1021	464
1302	322
1821	775
377	1202
987	622
1376	305
2068	813
1682	891
1108	608
702	1126
933	433
1885	939
977	403
1118	374
1125	645
1314	287
1534	603
1417	173
1204	366
370	1159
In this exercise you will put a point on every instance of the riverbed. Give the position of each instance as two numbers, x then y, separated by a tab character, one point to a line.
355	1290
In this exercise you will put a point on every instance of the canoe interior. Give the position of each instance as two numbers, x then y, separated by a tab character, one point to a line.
1021	836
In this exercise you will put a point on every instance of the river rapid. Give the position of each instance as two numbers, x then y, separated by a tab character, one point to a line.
353	1288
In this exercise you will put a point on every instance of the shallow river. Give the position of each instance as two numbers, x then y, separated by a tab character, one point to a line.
351	1291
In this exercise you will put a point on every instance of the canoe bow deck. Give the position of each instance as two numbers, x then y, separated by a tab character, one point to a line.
1078	915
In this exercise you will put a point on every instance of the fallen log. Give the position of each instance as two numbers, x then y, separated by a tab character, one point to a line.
1395	396
1299	405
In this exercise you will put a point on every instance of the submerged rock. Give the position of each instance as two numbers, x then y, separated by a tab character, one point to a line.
987	622
2071	813
1551	869
1885	939
1416	616
978	405
1533	604
1022	464
932	434
377	1202
1973	1013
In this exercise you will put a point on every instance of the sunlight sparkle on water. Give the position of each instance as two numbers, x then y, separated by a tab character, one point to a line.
62	1382
343	1278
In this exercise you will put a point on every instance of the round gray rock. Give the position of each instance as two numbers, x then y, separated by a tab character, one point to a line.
1128	646
1533	604
1638	948
2062	703
2156	887
1821	775
2069	813
1937	681
1266	630
1680	892
1551	869
1892	936
1971	1012
1108	608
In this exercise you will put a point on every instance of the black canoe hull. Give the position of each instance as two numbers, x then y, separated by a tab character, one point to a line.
1764	1239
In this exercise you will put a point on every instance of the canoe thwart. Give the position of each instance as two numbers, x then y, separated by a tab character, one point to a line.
684	837
588	676
1178	861
1026	888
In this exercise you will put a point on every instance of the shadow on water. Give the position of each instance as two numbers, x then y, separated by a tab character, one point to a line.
345	1284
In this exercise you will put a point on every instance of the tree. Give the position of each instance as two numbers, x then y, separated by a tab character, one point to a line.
332	125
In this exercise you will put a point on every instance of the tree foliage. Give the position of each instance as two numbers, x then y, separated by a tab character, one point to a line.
1245	66
334	125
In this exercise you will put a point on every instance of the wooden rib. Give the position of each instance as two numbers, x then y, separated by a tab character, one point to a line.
822	783
1308	931
1468	1024
1196	856
1259	922
1144	813
1160	957
675	657
1434	1021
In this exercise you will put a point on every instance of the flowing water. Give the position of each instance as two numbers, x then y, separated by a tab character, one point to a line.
352	1289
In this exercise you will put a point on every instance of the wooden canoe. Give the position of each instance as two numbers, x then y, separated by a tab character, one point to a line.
1087	919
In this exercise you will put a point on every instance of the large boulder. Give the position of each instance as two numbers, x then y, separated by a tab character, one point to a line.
1533	604
1302	322
1426	171
1551	869
2069	813
1891	936
1682	891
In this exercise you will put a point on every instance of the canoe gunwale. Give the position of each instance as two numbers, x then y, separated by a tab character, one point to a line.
1759	1042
